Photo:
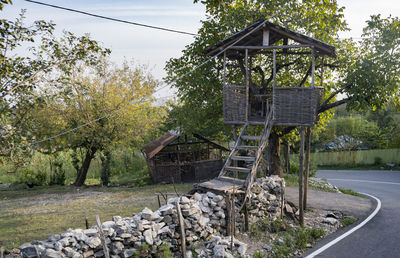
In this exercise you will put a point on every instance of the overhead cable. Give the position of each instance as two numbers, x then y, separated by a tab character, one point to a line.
136	101
112	19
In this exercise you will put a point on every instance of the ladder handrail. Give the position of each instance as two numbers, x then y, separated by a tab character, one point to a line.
238	141
263	143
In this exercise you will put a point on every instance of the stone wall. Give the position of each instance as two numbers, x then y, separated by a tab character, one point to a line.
204	220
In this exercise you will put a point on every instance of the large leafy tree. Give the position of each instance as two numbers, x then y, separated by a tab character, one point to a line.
27	53
118	100
358	68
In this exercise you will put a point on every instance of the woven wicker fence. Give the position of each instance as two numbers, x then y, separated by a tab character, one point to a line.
296	106
234	103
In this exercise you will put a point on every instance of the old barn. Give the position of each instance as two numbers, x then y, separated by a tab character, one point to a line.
176	158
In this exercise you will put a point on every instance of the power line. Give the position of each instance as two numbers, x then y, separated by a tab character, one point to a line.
136	101
112	19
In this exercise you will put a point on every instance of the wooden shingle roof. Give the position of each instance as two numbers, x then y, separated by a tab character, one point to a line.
277	33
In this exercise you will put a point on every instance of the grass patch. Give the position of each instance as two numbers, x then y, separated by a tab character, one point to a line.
347	220
293	180
37	213
351	192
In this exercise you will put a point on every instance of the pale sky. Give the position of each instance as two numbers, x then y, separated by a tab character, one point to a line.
154	47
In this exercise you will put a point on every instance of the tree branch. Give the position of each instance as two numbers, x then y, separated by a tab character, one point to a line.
325	107
337	92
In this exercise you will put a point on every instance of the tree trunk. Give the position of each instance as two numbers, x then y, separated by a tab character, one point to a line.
105	167
81	177
274	166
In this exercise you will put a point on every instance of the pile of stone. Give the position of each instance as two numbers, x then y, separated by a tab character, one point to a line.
322	184
220	247
266	198
204	217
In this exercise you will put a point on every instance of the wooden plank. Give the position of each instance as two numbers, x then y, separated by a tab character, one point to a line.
247	147
238	169
251	138
244	158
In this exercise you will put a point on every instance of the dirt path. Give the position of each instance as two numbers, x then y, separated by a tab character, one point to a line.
349	205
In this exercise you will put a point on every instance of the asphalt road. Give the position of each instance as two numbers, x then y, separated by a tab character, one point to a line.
380	237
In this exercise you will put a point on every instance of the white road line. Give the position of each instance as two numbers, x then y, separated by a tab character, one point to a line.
364	181
323	248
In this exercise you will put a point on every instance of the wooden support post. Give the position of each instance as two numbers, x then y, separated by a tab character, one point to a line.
246	216
159	201
307	165
86	222
301	160
274	68
1	252
102	238
224	68
313	67
247	83
182	227
287	157
228	215
322	71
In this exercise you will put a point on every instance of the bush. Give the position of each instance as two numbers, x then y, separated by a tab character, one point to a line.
378	161
58	178
31	178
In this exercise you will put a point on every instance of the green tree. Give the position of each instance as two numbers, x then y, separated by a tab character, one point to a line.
125	92
20	75
200	93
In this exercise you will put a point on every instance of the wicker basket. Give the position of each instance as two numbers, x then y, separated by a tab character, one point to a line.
295	106
234	104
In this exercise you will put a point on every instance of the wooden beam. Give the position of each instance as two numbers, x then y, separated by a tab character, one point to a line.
312	68
265	37
272	47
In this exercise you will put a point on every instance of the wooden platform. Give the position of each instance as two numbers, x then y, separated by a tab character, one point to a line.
224	185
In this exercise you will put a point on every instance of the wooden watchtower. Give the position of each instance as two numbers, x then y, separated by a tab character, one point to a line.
246	105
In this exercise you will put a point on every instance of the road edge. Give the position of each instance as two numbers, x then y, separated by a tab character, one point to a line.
348	231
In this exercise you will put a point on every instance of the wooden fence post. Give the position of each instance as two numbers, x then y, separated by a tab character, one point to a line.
102	238
182	227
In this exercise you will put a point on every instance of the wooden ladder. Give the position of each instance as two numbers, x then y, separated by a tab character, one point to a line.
242	163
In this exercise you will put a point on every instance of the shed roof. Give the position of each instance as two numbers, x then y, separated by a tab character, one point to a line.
277	32
152	148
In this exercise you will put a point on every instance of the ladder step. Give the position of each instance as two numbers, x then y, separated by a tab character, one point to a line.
248	137
247	147
238	169
244	158
232	180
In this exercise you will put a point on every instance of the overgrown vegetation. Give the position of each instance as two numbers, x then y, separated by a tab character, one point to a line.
347	220
351	192
283	238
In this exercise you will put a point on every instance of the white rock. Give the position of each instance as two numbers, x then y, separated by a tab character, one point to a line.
148	236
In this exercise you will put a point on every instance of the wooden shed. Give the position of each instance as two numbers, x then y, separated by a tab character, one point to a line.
176	158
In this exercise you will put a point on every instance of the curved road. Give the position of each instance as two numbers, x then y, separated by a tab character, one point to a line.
380	237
